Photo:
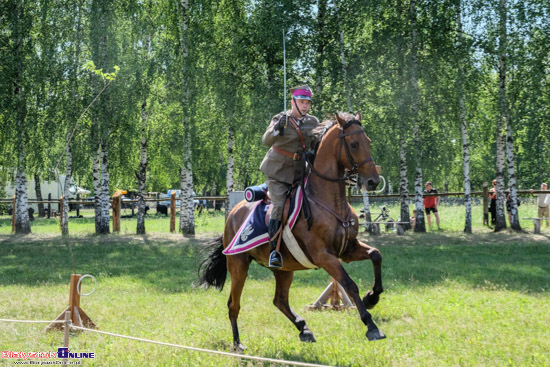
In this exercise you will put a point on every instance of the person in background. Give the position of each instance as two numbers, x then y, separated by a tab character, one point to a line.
542	202
430	204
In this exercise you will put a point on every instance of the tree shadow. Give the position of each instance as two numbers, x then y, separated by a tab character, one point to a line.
170	263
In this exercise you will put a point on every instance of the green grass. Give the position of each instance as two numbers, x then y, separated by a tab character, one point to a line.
450	299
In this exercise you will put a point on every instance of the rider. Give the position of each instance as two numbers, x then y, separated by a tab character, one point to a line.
282	163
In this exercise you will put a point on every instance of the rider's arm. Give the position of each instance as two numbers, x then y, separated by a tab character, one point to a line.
268	138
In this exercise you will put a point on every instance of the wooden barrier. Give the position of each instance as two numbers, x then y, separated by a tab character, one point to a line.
78	316
338	297
173	211
116	211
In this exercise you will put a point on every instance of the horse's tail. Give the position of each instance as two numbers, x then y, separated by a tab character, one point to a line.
213	269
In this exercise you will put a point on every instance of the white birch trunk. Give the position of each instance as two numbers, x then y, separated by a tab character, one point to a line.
230	185
403	182
22	222
187	217
97	189
66	186
464	131
514	214
502	121
420	225
142	173
104	220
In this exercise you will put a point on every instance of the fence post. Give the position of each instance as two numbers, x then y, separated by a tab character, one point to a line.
66	333
173	211
116	211
77	206
61	199
13	216
49	205
486	203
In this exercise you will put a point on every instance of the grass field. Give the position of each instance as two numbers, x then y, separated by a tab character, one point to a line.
450	299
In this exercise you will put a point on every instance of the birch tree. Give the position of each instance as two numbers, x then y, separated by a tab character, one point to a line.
187	216
420	225
463	121
502	120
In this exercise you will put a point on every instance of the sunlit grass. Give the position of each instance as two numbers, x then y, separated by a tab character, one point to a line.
449	299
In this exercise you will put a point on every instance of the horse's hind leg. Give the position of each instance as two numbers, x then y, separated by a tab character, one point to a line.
238	269
284	280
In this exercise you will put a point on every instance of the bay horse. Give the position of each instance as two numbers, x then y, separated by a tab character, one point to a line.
331	238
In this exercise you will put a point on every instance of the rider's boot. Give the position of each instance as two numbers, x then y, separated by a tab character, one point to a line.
275	258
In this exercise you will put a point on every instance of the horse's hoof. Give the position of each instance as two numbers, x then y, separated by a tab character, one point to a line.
307	336
375	334
238	347
370	300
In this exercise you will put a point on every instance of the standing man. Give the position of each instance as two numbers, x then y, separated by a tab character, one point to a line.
289	134
430	204
542	202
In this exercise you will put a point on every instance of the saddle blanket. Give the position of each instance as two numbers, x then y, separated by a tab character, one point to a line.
253	232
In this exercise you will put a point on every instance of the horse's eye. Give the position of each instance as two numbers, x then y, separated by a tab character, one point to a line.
354	145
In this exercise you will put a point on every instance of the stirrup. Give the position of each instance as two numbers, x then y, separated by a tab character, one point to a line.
275	260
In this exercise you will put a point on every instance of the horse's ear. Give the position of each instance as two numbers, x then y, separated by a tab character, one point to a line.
358	116
339	118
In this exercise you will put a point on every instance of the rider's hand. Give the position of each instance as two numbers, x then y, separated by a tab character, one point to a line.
281	124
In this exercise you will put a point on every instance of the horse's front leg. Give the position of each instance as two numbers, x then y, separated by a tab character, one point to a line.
284	280
361	251
336	270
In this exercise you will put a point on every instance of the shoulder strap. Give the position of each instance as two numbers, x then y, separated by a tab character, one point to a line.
299	133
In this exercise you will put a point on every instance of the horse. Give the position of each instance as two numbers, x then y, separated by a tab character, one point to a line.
344	147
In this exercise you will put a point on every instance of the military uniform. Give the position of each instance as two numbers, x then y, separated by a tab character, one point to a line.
282	164
281	171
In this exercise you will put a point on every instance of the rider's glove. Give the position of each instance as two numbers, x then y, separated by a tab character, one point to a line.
281	124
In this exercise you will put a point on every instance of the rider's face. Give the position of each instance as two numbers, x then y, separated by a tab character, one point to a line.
303	104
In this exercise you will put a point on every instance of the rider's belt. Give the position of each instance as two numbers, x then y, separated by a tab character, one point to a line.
293	156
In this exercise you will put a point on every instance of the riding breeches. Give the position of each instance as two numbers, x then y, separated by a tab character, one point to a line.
278	193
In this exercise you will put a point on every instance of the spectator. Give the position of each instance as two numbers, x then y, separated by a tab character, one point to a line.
430	204
542	202
493	202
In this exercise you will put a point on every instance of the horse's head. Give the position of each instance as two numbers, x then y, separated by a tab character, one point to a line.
354	152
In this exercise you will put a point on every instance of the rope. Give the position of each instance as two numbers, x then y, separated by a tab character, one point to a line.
33	321
280	361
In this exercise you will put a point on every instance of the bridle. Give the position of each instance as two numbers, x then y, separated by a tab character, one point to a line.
354	166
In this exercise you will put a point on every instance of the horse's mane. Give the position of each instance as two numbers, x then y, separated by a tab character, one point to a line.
326	125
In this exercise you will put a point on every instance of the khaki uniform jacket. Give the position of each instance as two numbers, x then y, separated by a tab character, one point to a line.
278	166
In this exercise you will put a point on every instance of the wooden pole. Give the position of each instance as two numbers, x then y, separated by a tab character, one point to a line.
67	330
78	316
78	206
49	205
116	211
173	211
13	216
